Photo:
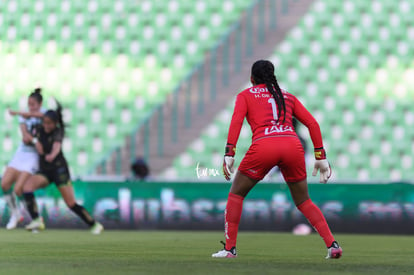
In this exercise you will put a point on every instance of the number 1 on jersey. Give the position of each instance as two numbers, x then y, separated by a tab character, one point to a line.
274	107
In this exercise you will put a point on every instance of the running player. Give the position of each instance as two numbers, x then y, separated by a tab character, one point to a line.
269	111
53	168
25	161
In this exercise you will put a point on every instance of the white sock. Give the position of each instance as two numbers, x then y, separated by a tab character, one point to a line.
12	202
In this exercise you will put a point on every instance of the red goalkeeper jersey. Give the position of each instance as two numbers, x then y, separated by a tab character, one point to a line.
260	109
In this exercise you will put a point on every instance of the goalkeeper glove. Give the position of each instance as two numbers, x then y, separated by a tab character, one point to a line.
229	161
322	164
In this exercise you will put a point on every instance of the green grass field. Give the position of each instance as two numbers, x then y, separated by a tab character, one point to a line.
171	252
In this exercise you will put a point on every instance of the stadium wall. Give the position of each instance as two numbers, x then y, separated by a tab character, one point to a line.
370	208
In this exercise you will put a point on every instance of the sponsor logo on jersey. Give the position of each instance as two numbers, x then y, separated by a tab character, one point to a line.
256	90
278	129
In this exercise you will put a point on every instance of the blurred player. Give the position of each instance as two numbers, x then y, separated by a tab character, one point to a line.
269	111
25	161
53	168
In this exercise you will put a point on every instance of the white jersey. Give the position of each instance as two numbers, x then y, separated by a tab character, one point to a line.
26	158
30	125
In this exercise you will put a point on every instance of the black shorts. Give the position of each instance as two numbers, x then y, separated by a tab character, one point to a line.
59	176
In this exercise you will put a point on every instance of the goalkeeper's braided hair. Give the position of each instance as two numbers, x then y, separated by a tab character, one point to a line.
263	72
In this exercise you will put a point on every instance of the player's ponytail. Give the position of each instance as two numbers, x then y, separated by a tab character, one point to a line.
37	95
57	116
263	72
59	112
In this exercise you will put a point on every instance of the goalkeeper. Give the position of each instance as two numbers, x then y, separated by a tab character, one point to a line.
269	111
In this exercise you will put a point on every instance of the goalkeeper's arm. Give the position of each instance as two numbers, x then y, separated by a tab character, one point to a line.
321	163
240	111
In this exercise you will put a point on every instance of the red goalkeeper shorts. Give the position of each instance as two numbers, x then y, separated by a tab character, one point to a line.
286	152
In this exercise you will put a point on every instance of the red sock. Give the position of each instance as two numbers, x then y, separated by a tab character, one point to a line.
232	217
317	220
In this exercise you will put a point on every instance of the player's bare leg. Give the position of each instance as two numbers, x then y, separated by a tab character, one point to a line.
242	185
239	189
9	177
21	180
300	195
69	197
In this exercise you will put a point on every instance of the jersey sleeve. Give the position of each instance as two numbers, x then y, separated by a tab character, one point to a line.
21	120
58	135
303	115
239	113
